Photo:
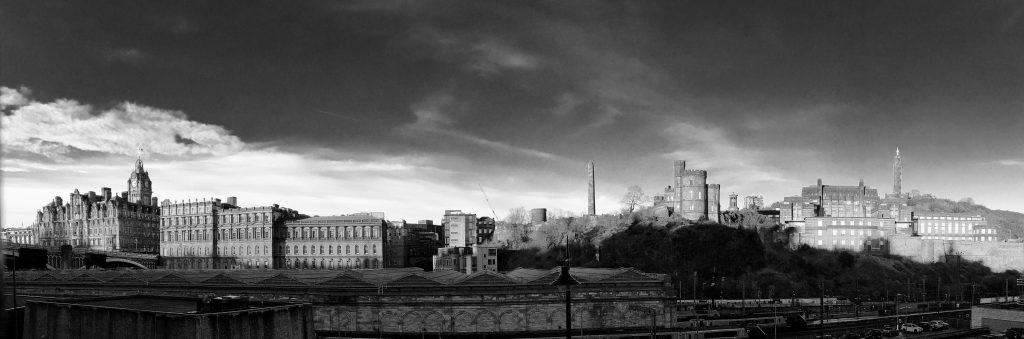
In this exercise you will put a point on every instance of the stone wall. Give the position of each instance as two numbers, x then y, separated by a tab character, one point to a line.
501	314
999	256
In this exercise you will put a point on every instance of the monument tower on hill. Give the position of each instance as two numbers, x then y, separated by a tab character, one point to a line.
591	209
897	173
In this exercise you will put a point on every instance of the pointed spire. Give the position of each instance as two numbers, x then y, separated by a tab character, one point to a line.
138	161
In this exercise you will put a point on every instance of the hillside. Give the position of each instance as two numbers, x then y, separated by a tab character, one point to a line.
1008	222
728	261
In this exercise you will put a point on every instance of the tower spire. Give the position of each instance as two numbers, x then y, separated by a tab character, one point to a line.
897	173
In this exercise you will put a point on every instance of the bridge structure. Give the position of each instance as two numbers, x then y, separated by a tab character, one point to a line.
31	256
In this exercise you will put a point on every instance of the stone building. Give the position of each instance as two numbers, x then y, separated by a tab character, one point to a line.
849	233
210	234
753	202
953	226
459	228
859	201
484	230
468	260
128	222
692	197
335	242
734	203
24	235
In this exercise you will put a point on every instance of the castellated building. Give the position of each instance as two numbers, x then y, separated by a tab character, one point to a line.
692	197
128	222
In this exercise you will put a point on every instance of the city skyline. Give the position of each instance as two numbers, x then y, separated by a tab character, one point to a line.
394	107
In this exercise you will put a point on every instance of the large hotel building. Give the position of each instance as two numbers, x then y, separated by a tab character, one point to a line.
127	222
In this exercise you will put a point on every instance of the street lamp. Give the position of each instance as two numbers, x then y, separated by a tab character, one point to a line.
897	307
564	282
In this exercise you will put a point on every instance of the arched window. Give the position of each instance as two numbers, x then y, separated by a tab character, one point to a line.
304	249
365	250
339	249
321	249
374	248
348	250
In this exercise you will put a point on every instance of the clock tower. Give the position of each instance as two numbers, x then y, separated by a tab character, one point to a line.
140	188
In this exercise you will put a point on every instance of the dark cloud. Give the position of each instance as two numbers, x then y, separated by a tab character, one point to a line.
786	89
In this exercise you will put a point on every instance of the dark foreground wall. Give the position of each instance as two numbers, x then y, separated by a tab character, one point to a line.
66	320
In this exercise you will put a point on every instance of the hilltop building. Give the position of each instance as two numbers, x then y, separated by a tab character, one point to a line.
128	222
857	218
753	202
954	226
691	198
733	203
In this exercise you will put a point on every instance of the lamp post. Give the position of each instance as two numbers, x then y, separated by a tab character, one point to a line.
897	307
564	282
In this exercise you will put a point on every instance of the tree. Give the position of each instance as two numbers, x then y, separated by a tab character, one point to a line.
517	216
634	197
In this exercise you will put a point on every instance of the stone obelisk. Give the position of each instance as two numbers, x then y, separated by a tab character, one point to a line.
591	210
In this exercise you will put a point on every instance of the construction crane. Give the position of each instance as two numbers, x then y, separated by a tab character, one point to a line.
488	200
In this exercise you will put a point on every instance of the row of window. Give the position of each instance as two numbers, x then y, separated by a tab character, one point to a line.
950	218
226	234
255	250
851	223
336	232
853	232
224	219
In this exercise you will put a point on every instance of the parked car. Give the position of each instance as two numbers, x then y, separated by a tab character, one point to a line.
926	325
890	331
939	325
911	328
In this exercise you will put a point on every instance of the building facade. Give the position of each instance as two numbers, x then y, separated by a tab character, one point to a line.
128	223
847	233
953	226
26	235
468	260
209	233
335	242
753	202
459	228
691	197
484	230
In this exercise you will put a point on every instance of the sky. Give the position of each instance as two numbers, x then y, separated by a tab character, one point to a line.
414	107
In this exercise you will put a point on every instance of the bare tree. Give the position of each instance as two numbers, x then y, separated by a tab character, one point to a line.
517	216
634	197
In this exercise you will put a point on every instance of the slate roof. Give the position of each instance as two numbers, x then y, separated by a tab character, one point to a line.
389	277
